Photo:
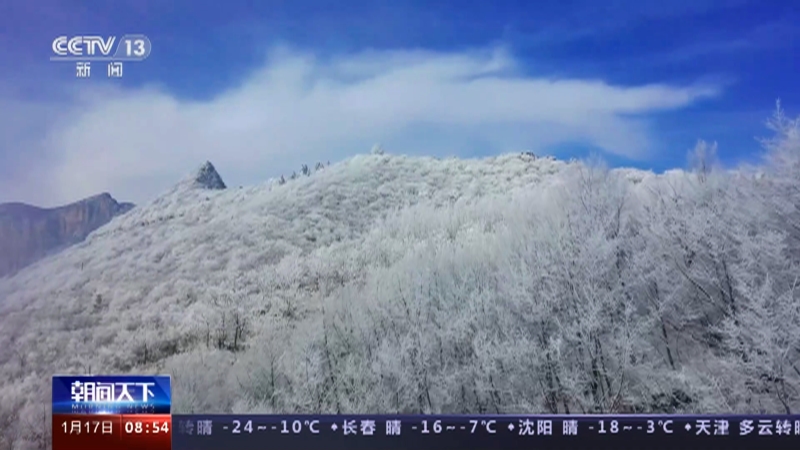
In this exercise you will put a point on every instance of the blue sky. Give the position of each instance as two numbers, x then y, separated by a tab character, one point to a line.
262	87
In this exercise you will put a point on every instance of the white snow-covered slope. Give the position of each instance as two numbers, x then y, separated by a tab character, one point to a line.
388	283
135	281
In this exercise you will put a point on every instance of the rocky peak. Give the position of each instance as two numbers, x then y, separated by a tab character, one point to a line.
106	202
208	178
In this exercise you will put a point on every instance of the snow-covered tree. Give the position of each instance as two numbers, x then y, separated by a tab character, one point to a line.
503	284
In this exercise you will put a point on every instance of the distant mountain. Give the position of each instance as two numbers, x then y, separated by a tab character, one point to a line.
28	233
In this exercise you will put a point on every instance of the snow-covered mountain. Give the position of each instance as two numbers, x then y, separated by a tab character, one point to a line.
388	283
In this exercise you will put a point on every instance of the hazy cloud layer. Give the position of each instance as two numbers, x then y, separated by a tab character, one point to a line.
300	108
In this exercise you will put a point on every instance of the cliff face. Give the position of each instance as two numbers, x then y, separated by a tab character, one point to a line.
28	233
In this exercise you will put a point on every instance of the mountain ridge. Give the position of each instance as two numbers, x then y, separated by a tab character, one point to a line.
29	233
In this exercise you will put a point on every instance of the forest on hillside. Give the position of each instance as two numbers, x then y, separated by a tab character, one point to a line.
602	291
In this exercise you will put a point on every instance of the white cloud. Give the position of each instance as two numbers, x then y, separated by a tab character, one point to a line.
300	108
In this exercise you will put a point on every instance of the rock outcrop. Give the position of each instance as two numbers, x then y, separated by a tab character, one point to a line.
208	178
29	233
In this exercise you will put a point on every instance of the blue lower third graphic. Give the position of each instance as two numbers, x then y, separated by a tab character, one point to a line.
111	394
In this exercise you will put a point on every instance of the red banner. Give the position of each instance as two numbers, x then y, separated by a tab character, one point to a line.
112	432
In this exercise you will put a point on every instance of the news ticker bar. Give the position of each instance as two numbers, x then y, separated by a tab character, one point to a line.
507	432
219	432
133	412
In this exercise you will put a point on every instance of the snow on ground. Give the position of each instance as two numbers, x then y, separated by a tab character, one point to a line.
388	283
